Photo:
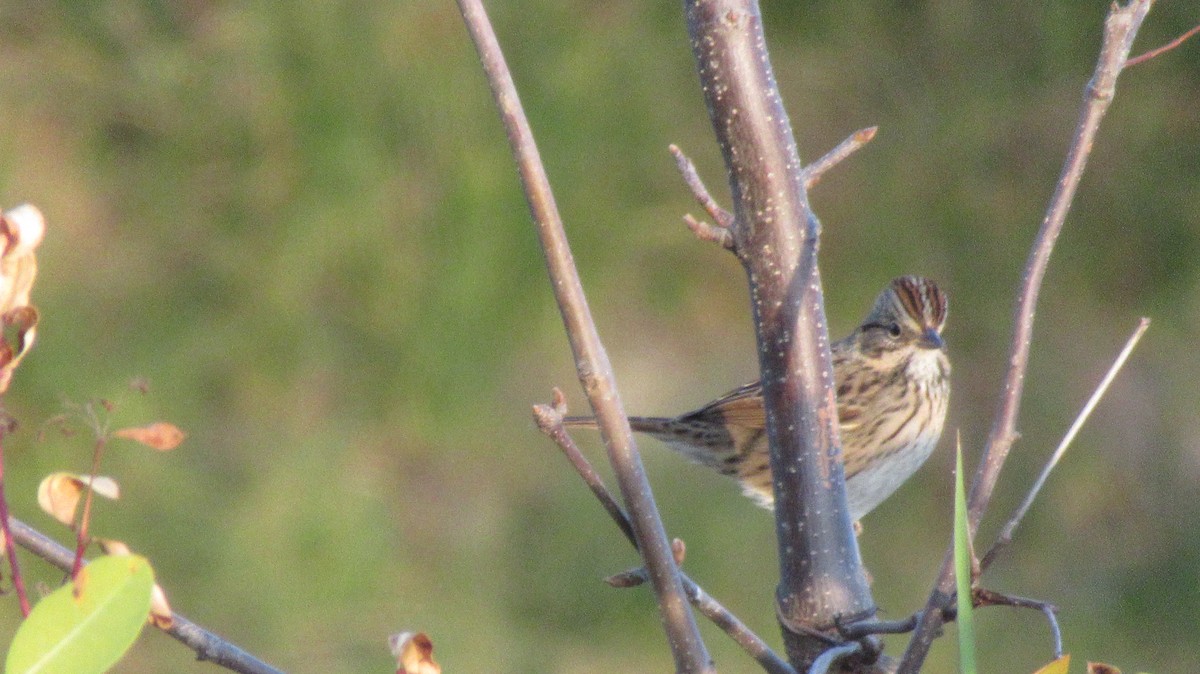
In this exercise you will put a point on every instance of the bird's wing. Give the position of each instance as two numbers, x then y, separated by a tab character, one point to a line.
740	407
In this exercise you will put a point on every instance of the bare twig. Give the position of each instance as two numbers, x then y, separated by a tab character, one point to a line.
813	173
862	628
1055	631
775	236
982	597
708	232
824	661
687	169
1006	533
549	419
1142	58
14	566
719	233
1120	28
591	361
207	646
737	630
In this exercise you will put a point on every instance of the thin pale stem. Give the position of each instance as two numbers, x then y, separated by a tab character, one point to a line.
813	173
591	361
1120	29
691	177
1142	58
1006	533
721	233
982	597
207	646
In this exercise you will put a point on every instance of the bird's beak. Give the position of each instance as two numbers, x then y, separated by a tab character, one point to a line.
932	340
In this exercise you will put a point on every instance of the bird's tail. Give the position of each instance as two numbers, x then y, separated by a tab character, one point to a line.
650	425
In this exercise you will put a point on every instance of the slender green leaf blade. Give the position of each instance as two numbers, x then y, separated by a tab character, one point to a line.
962	572
85	626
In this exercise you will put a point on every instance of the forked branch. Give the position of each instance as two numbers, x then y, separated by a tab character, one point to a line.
591	361
1120	29
549	419
721	233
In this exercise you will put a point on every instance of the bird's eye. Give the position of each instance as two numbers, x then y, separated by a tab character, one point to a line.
893	329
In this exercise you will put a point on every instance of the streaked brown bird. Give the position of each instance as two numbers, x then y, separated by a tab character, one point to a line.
893	387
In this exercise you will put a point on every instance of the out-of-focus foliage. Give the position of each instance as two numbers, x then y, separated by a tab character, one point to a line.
300	222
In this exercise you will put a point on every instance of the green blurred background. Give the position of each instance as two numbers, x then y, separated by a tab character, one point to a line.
301	222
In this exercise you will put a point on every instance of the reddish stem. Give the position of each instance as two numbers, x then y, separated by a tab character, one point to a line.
9	549
81	535
1142	58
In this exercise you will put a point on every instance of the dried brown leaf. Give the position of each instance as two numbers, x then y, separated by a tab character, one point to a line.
161	615
162	435
21	231
59	493
111	546
414	653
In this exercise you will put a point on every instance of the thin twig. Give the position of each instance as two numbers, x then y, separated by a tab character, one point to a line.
813	173
824	661
691	177
863	628
981	597
6	424
750	642
549	419
591	361
207	646
1120	29
1055	631
719	233
1006	533
1142	58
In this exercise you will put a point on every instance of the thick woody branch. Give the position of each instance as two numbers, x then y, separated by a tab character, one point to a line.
591	361
775	235
208	646
1120	28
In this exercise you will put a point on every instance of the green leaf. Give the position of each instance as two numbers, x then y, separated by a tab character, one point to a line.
86	632
962	572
